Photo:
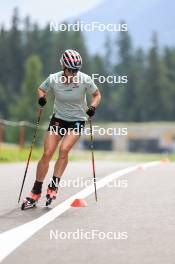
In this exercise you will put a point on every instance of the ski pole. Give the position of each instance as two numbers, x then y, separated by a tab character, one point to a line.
93	160
31	148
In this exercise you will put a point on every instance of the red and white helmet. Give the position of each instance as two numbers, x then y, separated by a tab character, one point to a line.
71	59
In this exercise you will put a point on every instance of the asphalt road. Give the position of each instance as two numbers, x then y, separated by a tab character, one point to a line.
138	212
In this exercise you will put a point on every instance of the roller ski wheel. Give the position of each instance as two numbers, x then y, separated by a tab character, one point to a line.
51	195
31	201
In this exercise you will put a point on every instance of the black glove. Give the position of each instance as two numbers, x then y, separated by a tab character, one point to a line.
42	101
91	111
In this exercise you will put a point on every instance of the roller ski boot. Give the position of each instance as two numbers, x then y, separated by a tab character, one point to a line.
30	201
51	195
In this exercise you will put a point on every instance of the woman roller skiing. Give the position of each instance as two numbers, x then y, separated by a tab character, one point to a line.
70	113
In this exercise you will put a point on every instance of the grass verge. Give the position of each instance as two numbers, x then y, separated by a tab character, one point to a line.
16	155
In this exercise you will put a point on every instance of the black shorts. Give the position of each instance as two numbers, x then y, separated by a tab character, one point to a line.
62	127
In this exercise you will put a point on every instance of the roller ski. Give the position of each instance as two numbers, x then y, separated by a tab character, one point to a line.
51	195
30	201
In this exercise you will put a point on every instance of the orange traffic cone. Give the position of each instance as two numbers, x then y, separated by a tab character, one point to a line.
79	203
140	167
165	160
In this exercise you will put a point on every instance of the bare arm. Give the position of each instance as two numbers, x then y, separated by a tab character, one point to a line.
41	93
41	97
96	98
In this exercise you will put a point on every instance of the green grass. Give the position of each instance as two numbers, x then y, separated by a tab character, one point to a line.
16	155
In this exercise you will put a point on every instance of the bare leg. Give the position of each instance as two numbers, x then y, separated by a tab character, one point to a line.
50	145
66	145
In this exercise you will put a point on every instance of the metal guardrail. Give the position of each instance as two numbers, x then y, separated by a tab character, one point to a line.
22	125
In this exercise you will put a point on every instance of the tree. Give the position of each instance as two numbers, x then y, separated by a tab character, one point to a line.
26	104
108	58
169	62
15	54
157	94
98	69
139	71
47	51
126	92
3	105
5	81
31	38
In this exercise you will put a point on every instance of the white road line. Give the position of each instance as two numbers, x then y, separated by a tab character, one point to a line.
13	238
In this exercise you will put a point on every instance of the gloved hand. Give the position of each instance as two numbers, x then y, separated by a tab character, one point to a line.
42	101
91	111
